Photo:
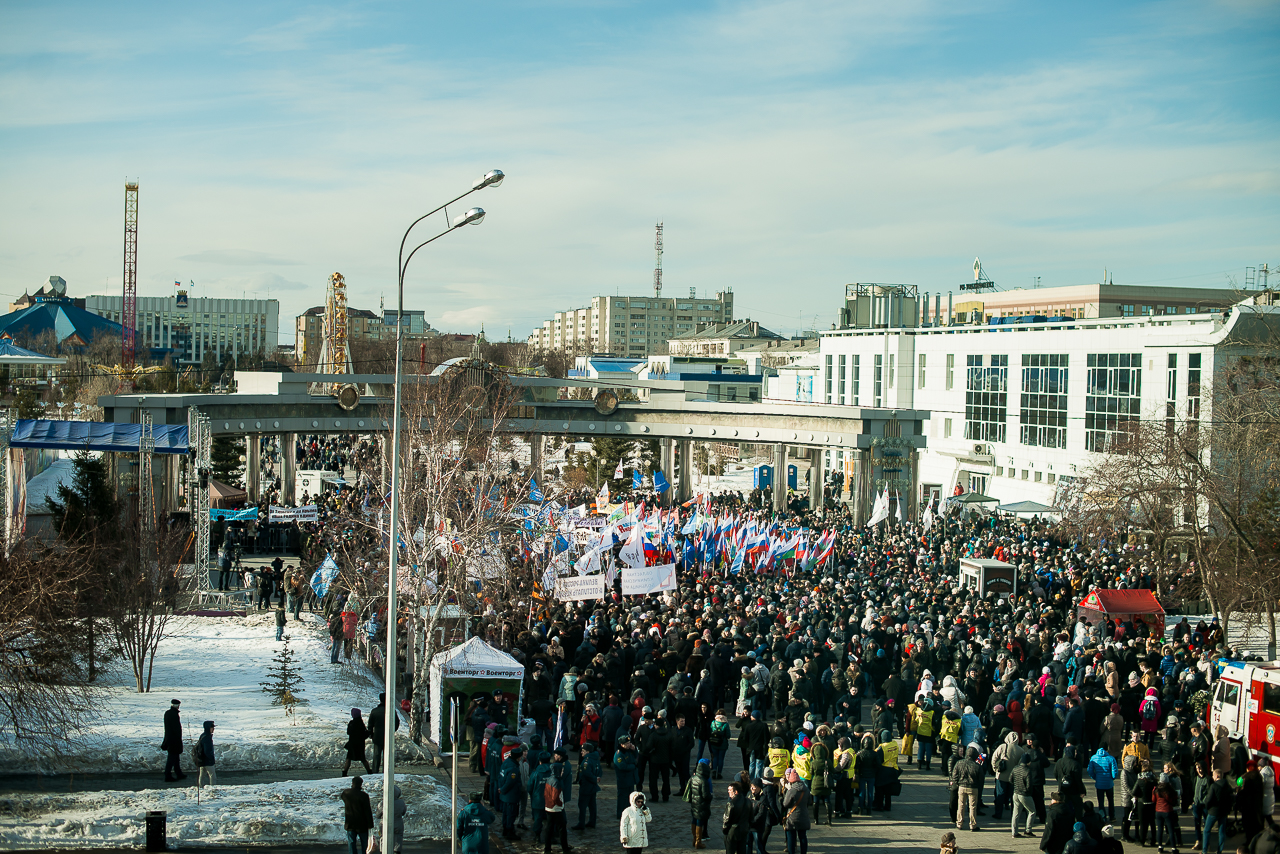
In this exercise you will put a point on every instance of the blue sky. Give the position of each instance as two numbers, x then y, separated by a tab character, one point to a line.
789	148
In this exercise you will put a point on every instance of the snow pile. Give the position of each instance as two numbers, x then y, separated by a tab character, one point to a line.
213	665
295	813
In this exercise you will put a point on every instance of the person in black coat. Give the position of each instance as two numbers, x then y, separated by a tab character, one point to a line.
736	824
1058	826
357	734
357	815
172	743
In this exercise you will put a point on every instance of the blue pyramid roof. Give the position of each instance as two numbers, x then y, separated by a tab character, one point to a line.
65	319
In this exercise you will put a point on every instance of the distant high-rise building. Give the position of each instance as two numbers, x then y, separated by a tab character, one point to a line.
631	326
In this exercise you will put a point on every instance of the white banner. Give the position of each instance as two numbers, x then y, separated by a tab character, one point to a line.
587	587
643	580
306	513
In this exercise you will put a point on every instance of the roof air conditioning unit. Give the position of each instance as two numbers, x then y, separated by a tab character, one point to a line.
981	449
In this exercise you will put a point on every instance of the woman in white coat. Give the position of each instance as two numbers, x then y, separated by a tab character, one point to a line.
633	828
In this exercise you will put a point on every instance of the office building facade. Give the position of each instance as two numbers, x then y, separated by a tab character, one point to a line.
192	327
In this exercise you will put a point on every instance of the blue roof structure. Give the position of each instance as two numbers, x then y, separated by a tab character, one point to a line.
72	325
96	436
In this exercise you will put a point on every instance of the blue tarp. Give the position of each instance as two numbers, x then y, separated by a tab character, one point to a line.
96	436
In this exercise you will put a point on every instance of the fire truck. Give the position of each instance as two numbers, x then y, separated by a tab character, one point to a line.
1246	700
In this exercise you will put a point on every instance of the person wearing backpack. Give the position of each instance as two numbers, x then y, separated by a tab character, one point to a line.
718	740
204	757
557	791
1149	712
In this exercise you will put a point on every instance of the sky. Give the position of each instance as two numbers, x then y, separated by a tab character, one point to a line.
788	147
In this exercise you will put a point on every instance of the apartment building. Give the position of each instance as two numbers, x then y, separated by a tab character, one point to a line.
633	327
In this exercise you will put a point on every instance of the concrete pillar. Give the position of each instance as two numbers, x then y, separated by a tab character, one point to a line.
253	466
289	468
779	476
913	501
535	457
857	488
816	478
667	466
685	491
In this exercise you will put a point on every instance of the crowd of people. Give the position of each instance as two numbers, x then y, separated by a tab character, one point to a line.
842	684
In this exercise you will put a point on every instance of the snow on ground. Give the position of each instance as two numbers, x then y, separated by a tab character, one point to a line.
213	665
294	813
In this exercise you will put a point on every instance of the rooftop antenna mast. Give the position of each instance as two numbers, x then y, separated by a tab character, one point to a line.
657	268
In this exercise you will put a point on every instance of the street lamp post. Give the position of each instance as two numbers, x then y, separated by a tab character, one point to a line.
471	217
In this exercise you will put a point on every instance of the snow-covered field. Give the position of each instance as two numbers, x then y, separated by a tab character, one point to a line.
295	813
213	665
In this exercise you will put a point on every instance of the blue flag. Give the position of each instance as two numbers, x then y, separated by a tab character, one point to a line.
324	575
535	494
636	480
660	482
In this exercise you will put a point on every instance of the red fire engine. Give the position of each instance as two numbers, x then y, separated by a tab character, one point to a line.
1246	700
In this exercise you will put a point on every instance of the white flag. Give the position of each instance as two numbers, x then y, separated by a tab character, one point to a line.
602	500
632	552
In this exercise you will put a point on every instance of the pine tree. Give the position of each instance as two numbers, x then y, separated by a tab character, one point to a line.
225	458
284	681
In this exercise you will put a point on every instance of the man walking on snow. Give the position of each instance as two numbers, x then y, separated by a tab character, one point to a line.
172	743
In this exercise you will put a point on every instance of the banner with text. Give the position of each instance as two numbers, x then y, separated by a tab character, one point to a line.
585	587
306	513
643	580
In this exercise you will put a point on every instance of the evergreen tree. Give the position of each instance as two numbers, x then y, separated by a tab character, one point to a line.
284	680
225	457
88	504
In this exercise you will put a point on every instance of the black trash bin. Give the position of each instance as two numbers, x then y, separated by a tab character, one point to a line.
157	821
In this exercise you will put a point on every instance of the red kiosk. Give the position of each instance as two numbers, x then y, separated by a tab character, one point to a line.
1133	605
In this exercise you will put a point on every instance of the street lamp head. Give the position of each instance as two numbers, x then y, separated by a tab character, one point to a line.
492	178
472	217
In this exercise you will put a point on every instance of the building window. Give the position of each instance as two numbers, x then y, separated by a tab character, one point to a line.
1039	475
986	398
877	381
892	370
857	380
1126	310
951	370
1171	394
1043	413
842	397
1193	389
922	360
827	378
1052	477
999	471
946	428
1024	474
1113	401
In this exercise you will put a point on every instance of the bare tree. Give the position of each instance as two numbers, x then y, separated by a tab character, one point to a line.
45	686
462	510
141	597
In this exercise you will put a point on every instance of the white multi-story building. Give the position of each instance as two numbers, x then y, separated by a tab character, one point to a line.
194	326
632	327
1021	404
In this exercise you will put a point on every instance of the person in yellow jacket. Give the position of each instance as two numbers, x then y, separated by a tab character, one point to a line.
924	713
887	773
949	738
909	737
779	757
843	771
802	762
